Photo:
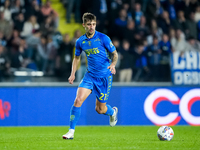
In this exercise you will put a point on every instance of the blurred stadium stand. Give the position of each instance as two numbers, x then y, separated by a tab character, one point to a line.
38	38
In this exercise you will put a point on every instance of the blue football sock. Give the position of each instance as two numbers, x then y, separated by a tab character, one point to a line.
109	111
74	116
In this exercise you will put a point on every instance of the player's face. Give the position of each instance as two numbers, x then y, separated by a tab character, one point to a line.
90	27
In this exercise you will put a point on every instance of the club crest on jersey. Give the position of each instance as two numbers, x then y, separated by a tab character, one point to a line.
89	43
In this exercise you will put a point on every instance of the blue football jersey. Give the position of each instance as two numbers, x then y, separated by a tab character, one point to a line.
97	51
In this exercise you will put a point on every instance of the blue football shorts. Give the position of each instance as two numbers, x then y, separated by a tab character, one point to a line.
100	86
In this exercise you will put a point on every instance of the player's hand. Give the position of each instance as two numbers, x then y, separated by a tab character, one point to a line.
71	79
112	68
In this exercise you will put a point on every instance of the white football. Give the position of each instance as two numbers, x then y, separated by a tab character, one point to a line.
165	133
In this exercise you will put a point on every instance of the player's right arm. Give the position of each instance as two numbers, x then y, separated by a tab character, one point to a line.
75	63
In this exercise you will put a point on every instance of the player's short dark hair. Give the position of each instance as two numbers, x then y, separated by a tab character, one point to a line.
88	17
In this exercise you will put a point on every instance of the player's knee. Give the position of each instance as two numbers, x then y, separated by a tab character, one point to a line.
78	102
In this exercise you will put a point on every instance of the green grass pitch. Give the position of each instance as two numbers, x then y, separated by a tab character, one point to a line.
98	138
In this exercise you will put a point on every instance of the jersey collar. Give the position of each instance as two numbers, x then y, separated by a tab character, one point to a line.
95	34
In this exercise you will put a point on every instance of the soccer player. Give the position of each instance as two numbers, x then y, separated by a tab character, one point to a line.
98	78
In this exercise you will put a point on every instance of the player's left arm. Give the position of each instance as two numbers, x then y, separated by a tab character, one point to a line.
110	48
114	62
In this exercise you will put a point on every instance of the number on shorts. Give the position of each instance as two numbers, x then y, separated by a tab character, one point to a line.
103	97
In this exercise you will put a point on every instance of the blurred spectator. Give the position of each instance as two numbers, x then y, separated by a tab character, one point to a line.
119	25
5	26
171	10
197	14
154	27
126	6
142	30
100	9
70	5
113	9
179	43
32	42
19	57
28	63
126	65
19	22
165	45
6	9
41	58
181	23
49	67
192	26
121	21
154	9
137	13
155	31
190	6
30	26
194	44
141	70
154	57
17	8
164	22
48	26
64	58
57	39
4	63
33	9
129	32
166	50
46	9
55	20
15	40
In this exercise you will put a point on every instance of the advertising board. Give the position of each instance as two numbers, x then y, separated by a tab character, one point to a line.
41	106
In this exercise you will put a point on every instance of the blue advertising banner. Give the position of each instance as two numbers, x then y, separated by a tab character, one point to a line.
38	106
185	68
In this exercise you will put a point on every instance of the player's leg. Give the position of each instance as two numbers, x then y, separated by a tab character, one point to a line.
102	87
82	94
103	108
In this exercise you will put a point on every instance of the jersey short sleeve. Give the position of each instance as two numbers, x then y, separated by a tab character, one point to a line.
108	44
78	49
